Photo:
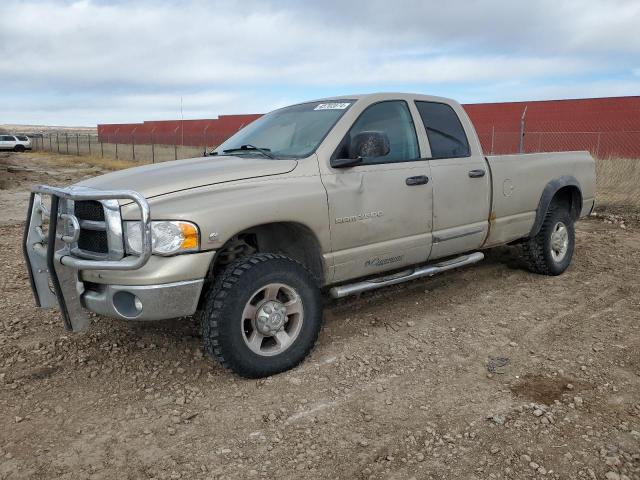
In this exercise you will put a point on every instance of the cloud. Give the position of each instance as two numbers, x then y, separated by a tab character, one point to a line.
124	60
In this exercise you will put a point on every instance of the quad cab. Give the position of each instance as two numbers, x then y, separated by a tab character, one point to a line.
325	198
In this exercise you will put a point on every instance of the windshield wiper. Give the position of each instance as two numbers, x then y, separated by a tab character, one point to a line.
263	151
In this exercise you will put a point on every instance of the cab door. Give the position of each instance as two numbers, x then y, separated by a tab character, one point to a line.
380	211
460	179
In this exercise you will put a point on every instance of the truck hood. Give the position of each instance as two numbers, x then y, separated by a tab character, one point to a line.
168	177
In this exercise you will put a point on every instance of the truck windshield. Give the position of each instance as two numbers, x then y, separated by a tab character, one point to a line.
290	132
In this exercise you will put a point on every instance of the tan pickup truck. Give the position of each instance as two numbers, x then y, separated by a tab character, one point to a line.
331	197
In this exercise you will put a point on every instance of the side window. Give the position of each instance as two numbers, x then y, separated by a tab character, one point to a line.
391	118
444	130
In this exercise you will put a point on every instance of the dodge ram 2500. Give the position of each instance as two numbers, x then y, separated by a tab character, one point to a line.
330	197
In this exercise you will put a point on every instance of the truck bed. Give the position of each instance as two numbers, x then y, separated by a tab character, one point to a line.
517	184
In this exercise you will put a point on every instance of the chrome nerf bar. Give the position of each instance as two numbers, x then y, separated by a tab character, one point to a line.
53	269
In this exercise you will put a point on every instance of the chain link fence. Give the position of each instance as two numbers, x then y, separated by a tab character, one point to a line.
618	171
605	144
142	147
90	144
618	186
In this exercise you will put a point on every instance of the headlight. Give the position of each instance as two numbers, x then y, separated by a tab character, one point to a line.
167	237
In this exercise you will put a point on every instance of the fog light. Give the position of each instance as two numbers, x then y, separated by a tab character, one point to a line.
127	304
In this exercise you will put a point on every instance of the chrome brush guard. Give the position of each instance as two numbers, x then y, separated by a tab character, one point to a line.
54	259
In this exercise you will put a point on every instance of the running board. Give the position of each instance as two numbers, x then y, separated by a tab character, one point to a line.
405	276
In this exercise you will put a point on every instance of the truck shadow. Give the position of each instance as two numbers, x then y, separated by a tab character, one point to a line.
180	334
496	259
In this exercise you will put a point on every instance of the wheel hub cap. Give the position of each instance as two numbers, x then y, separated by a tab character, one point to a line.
271	317
559	241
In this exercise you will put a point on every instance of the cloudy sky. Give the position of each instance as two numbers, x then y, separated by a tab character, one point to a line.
88	62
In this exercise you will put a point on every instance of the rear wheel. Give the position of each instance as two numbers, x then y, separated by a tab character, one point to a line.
551	250
262	315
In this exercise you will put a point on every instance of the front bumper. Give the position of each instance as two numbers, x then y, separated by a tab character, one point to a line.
144	302
158	270
123	286
53	257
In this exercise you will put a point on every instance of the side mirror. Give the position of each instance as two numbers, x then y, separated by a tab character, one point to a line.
364	145
369	145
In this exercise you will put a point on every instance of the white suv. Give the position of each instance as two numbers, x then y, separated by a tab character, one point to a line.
17	143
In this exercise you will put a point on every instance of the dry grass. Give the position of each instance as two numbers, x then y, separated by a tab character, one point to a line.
618	185
74	161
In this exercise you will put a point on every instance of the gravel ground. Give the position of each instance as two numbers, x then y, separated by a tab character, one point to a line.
487	372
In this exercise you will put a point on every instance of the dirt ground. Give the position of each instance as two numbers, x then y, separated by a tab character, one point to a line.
484	373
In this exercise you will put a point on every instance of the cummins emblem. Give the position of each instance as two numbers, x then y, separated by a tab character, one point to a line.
381	262
359	217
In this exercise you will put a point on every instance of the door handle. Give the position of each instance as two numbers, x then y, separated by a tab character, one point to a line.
418	180
476	173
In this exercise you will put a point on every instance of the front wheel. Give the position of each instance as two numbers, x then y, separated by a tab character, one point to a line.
19	148
262	316
551	250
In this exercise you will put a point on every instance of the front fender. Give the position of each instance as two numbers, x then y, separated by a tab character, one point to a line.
223	210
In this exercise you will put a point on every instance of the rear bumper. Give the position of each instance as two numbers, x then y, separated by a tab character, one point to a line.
144	302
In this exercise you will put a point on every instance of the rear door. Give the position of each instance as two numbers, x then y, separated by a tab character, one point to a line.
7	142
380	211
460	179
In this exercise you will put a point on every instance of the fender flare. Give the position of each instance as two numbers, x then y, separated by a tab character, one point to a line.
547	195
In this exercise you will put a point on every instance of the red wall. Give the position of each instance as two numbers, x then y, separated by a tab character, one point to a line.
607	127
210	132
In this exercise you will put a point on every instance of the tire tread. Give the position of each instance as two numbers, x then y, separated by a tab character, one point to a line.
533	249
221	293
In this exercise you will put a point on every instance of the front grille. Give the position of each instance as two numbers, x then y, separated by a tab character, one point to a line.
89	210
91	240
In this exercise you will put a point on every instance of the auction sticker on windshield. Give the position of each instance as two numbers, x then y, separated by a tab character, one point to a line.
332	106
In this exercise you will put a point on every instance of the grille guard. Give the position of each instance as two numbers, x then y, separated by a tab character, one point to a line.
53	270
